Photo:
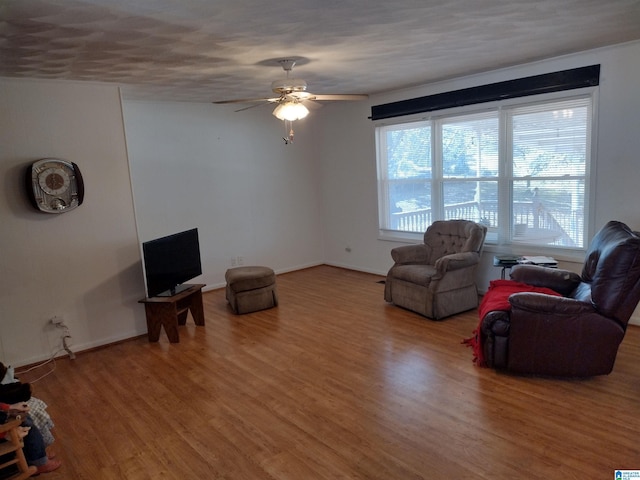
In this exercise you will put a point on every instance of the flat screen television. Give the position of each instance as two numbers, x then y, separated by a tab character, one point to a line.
170	261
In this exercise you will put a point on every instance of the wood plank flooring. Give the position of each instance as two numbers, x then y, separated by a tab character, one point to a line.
333	383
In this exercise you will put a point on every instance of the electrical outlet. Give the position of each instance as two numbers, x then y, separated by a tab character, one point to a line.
234	261
240	260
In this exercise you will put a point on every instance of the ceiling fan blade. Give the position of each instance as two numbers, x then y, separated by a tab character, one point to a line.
252	106
345	97
312	96
311	104
248	100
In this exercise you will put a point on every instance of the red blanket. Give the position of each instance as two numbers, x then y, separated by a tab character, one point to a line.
497	298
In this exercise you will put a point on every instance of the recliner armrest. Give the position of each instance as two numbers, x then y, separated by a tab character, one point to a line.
456	261
495	322
562	281
494	332
411	254
549	304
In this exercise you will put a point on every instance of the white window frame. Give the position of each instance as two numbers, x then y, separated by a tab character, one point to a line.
500	240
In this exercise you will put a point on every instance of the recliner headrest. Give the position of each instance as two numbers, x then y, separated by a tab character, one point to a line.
612	267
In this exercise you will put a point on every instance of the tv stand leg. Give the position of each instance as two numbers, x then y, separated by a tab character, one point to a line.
182	316
169	312
197	309
162	315
153	324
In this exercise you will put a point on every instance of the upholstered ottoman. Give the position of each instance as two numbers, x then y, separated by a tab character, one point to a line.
250	289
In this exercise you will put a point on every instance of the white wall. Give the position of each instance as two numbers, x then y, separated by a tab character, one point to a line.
349	186
230	175
82	265
349	162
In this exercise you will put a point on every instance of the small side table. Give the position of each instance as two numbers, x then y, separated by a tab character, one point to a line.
505	262
508	261
169	312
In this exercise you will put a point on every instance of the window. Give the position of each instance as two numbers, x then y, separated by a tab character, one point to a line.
521	169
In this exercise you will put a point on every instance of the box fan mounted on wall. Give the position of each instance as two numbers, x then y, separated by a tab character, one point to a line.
292	98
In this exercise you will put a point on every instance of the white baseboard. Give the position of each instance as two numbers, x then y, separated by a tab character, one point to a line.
357	269
216	286
80	347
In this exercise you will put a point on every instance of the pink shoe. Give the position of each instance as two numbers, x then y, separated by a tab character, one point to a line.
50	466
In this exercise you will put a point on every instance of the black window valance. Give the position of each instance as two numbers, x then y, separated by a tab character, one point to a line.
521	87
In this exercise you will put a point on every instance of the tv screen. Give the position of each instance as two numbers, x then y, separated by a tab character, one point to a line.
170	261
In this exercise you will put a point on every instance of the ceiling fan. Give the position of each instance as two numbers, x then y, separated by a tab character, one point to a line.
291	96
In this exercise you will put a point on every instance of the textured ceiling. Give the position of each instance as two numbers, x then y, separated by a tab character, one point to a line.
206	50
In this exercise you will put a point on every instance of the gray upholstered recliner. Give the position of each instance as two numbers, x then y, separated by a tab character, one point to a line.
437	278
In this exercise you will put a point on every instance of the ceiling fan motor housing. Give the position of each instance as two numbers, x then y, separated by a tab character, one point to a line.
288	85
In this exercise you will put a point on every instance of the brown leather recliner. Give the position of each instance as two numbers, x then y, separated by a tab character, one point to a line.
437	278
578	333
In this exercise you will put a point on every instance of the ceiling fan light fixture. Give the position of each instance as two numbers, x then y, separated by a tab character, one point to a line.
290	111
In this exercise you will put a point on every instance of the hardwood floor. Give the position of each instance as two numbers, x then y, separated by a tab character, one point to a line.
333	383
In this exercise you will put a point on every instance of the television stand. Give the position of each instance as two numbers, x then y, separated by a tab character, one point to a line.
169	312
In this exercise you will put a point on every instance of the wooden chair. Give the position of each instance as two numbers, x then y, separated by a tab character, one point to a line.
11	452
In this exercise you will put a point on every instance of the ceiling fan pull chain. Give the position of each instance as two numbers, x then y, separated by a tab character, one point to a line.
288	138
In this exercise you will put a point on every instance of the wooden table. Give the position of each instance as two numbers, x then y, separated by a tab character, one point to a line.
169	312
